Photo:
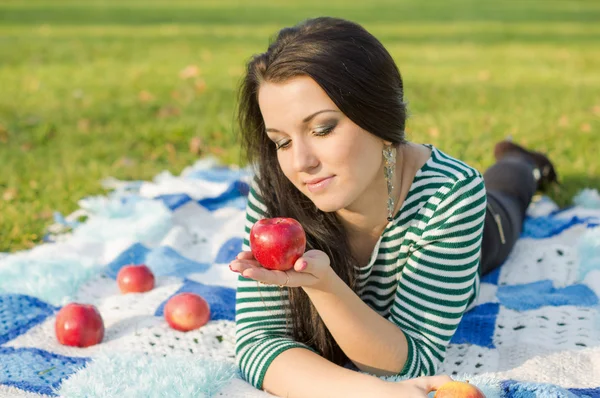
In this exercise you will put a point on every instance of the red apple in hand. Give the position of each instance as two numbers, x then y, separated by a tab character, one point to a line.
458	389
135	279
79	325
277	243
187	311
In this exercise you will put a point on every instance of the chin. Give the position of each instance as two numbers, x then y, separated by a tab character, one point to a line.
328	206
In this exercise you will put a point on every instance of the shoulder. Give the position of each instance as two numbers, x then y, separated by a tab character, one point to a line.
459	189
453	169
452	176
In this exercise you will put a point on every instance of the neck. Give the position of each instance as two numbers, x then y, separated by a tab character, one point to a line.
368	215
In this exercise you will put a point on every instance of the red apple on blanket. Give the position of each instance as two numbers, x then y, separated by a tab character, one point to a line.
135	279
277	243
79	325
187	311
458	389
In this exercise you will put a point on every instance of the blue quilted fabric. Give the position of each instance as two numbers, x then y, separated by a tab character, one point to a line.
19	313
162	260
229	250
36	370
477	326
220	299
546	227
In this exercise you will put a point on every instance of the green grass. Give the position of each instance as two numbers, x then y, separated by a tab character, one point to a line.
71	74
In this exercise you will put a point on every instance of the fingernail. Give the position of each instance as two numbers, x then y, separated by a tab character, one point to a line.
303	265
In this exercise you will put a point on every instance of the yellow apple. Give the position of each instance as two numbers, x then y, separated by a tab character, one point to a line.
458	389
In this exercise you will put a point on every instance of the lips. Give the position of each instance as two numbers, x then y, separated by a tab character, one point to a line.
316	180
319	185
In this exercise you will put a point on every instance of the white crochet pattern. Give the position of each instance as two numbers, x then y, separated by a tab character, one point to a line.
558	344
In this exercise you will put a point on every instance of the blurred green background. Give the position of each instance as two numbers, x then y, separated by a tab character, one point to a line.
91	89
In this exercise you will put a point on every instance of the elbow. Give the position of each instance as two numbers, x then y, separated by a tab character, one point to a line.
421	360
392	365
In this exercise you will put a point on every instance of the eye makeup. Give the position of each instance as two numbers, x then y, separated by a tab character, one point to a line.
320	131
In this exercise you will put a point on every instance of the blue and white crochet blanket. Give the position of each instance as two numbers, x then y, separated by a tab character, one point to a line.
534	333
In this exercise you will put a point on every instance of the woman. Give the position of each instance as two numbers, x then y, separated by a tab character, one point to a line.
398	233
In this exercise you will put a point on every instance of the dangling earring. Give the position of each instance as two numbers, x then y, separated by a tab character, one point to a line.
389	157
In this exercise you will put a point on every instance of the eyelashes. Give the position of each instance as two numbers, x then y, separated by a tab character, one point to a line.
319	133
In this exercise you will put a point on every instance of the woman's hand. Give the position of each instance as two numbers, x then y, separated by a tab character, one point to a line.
418	387
311	270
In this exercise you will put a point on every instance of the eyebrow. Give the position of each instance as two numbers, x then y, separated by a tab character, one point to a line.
305	120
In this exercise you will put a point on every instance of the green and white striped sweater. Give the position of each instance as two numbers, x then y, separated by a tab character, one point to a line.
422	275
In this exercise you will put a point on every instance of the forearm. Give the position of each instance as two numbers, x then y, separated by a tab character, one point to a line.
298	373
373	343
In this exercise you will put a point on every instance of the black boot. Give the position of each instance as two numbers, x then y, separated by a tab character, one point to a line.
544	171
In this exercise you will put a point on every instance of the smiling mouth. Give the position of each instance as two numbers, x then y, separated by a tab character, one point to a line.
319	185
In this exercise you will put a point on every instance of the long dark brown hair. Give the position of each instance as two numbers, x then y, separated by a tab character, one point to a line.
361	78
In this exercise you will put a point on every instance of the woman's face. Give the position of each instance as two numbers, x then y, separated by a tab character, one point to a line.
315	140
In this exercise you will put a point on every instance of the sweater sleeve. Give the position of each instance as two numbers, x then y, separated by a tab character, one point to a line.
260	313
439	278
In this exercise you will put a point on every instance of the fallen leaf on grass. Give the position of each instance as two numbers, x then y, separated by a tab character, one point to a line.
168	111
217	150
145	96
172	152
196	145
206	55
563	121
434	132
483	75
170	148
9	194
43	215
189	72
83	125
586	127
32	84
596	110
124	162
78	93
200	85
154	155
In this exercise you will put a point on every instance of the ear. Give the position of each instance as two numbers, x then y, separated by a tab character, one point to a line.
388	143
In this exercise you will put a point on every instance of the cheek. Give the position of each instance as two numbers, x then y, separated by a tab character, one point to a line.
358	156
364	164
285	164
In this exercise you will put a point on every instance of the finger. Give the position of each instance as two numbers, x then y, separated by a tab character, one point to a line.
246	255
241	265
270	277
308	262
312	262
301	265
432	383
294	279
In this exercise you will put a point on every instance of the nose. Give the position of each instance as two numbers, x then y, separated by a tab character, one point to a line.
305	158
